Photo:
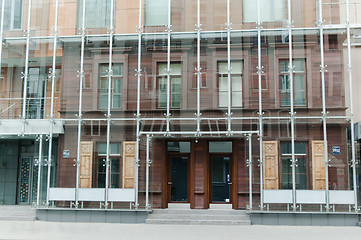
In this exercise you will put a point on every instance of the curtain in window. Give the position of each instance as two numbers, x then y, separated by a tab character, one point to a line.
156	12
271	10
12	14
96	13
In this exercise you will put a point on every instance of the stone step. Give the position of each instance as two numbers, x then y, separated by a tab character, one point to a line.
198	217
359	224
198	222
17	218
17	213
200	211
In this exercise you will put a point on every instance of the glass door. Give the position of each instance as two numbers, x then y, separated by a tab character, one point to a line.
178	179
220	178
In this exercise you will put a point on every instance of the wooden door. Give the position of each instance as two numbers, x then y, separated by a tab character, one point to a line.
86	163
129	154
270	165
318	165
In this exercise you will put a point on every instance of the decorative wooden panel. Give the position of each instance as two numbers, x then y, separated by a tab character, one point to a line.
270	165
318	165
86	163
129	152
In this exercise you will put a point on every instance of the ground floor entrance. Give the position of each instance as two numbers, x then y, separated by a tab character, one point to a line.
19	171
198	172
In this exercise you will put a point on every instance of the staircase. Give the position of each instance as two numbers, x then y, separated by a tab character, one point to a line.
198	217
17	213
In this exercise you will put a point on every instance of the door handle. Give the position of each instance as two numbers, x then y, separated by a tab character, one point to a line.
170	183
230	183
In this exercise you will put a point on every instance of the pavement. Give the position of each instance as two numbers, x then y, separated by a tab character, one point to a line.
52	230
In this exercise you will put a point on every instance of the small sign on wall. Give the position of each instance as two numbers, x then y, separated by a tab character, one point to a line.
66	153
336	150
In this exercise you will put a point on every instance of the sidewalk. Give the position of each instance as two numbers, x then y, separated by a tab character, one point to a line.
51	230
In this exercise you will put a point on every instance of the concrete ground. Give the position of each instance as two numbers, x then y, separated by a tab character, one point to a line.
52	230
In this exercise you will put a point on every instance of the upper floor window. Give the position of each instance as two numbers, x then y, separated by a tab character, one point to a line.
175	85
299	84
156	12
270	10
116	86
97	13
236	84
12	14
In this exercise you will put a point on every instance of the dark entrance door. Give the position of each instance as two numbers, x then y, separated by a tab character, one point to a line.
220	179
178	179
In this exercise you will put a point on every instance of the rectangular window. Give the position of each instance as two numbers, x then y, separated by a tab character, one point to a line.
114	174
175	85
156	12
270	10
13	13
97	13
301	165
299	83
116	86
236	84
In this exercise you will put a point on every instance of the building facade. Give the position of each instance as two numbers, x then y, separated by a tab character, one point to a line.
138	104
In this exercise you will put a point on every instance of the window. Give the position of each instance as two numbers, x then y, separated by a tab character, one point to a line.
114	156
236	84
96	13
12	14
271	10
156	13
116	86
299	92
175	85
301	169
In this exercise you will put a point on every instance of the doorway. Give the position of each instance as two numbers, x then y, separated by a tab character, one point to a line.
220	178
178	179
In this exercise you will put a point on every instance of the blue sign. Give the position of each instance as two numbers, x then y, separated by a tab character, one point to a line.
336	150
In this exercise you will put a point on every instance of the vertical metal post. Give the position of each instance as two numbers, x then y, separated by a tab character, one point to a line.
229	70
169	30
51	120
1	30
292	113
39	169
147	175
110	74
324	113
81	78
26	69
250	170
349	62
260	110
198	69
139	71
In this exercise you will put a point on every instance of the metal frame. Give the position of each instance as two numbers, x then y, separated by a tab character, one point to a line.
198	116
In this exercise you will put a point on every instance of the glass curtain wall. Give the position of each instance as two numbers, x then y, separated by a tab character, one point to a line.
104	77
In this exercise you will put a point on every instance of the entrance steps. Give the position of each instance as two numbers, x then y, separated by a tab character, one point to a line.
198	217
17	213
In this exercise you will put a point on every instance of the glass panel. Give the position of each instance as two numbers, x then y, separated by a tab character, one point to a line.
13	18
220	179
220	147
126	16
156	13
97	15
67	17
181	147
179	179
